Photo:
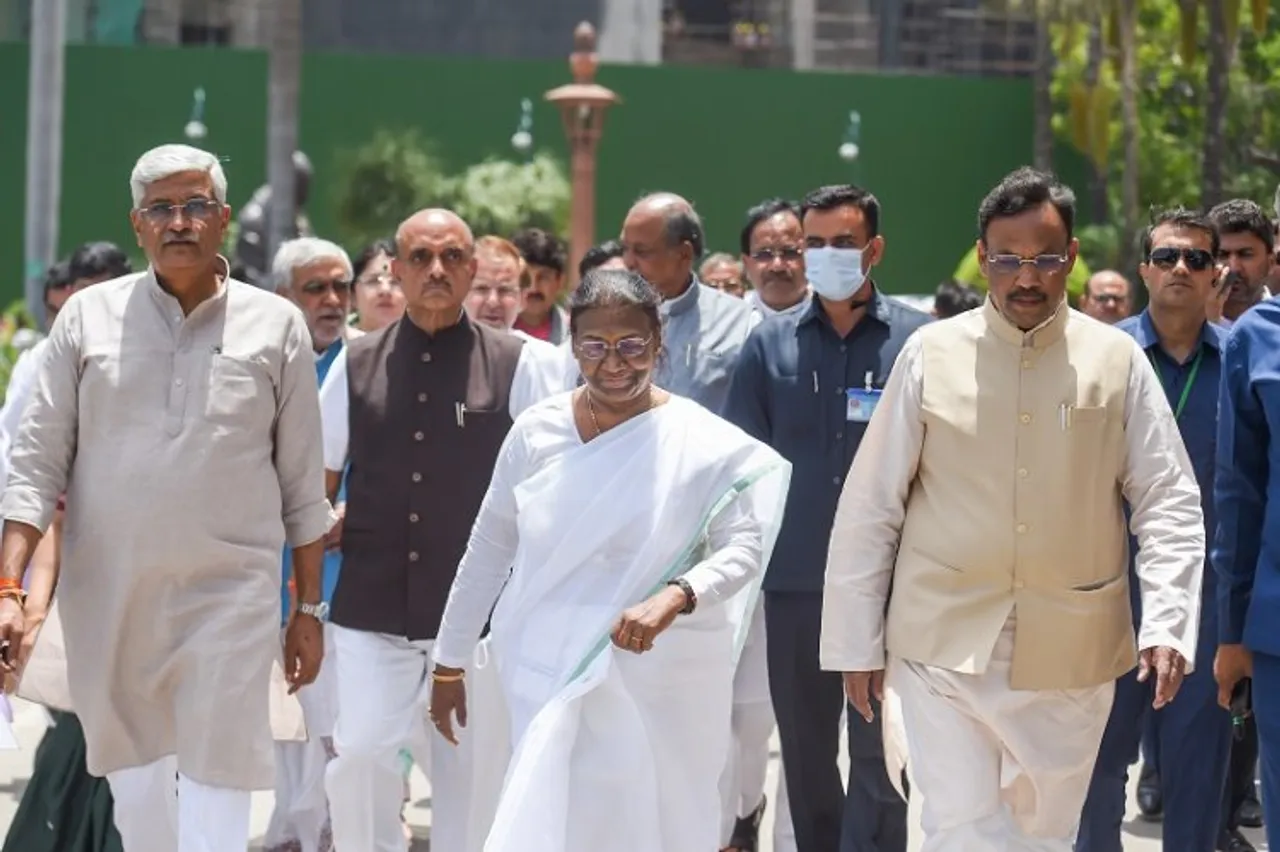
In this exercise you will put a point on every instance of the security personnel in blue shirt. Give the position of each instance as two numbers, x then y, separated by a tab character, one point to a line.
1246	548
1193	734
806	384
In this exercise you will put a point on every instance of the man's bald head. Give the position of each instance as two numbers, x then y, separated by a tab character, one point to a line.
1107	296
662	239
435	263
436	219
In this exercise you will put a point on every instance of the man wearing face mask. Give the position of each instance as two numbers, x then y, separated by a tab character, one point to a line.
806	384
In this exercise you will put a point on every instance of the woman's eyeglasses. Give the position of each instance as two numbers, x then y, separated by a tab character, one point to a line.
627	347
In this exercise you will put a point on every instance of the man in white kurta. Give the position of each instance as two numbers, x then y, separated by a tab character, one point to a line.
178	411
989	494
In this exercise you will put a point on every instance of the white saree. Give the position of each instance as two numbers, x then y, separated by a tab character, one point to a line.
610	746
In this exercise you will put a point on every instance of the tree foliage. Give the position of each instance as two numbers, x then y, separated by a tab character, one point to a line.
398	172
1172	51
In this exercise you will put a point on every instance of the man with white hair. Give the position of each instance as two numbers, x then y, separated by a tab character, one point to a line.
198	391
316	275
494	299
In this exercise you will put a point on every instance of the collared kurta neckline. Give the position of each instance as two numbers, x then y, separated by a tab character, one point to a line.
1046	334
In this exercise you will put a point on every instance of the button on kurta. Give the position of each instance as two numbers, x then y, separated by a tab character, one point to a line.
413	556
1024	418
426	356
1021	528
422	397
1026	364
1022	473
418	436
413	517
417	477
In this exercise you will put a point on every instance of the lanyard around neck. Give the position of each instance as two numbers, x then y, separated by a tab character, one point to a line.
1186	388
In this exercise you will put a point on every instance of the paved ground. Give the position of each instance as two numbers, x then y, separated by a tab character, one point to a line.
15	768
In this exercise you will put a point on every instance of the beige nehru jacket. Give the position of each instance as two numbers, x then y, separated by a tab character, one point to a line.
991	481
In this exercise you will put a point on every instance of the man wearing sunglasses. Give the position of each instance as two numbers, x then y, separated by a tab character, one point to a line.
989	494
198	393
1190	737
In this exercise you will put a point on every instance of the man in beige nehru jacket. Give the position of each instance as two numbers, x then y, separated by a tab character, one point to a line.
989	493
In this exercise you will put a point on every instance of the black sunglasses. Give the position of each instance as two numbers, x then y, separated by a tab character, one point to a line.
1167	257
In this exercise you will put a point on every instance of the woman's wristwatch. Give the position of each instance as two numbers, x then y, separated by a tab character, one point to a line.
690	599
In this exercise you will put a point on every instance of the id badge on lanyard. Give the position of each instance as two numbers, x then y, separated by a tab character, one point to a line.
860	403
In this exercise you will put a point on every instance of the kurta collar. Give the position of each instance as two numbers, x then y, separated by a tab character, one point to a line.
459	333
753	299
1042	336
686	301
1211	335
169	303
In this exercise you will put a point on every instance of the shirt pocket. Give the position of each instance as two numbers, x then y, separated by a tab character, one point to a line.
239	394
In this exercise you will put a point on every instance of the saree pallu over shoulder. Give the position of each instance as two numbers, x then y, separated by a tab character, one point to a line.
602	528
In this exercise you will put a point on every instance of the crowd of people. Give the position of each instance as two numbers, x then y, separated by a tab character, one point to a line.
576	552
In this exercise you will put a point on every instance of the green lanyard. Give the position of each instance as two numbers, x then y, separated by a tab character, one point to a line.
1191	380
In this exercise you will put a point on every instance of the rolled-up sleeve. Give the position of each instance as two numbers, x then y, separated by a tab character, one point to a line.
298	454
1166	517
1240	487
868	522
44	450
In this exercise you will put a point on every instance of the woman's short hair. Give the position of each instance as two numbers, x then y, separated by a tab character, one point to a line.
614	288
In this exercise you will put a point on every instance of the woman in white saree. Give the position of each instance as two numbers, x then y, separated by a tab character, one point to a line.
626	530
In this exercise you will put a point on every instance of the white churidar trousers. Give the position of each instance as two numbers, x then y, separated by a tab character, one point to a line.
383	689
301	806
157	809
998	769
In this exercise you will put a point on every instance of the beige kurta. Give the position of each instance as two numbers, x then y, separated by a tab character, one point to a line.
189	450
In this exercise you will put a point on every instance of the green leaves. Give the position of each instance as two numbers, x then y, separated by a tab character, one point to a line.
398	172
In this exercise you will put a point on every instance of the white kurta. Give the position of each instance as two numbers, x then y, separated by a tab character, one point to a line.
590	530
189	450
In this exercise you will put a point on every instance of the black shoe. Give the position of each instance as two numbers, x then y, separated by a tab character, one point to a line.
1150	802
1234	841
1249	814
746	831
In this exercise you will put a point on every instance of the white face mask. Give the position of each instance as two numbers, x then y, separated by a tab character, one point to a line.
835	273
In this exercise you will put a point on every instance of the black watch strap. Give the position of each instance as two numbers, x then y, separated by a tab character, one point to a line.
691	600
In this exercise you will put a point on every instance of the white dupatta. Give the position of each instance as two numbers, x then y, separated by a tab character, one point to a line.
602	528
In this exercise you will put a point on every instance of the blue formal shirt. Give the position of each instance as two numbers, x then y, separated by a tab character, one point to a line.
1198	423
789	392
1246	547
333	558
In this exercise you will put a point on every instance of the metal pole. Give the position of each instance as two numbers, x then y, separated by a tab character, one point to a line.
44	147
284	74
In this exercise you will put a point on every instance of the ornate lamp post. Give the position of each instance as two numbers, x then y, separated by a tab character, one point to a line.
582	105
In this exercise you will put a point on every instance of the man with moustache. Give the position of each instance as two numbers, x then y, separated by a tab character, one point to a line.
702	329
1191	737
197	391
989	496
1248	252
419	409
772	244
806	385
316	275
723	272
1107	297
545	263
494	300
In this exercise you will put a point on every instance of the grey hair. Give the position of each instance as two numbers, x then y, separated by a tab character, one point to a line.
305	251
721	258
684	225
167	160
